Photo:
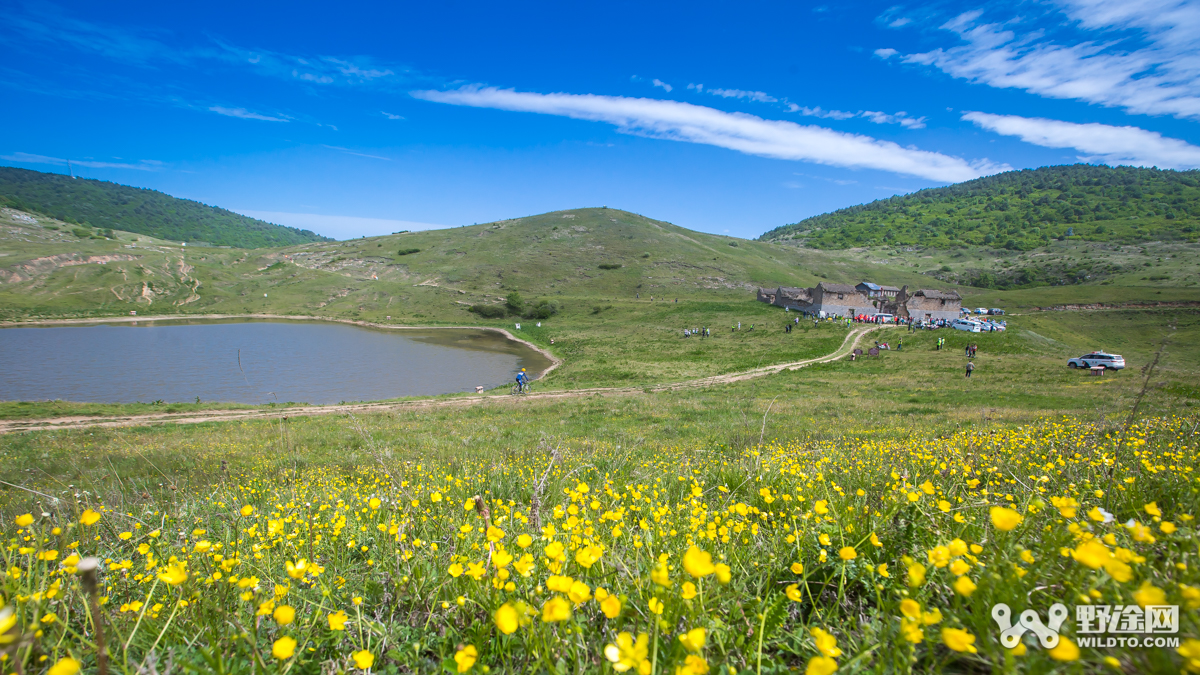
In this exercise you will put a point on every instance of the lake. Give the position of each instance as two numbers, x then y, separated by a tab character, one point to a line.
299	361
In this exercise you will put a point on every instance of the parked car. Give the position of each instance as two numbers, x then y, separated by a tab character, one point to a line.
1108	361
981	310
996	311
967	325
884	318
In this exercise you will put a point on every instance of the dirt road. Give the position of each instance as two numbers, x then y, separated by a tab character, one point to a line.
81	421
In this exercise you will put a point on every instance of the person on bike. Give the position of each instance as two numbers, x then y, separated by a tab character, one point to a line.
522	380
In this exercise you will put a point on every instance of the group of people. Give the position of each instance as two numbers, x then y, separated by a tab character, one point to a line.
702	332
970	350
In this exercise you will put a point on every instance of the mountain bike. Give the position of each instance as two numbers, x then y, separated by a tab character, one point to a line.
518	389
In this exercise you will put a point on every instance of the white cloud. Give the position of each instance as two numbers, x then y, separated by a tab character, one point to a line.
820	112
340	227
242	113
674	120
390	116
26	158
872	116
761	97
900	118
659	83
1101	142
1138	55
886	53
898	23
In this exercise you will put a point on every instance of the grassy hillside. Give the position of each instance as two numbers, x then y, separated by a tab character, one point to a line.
602	282
109	206
579	259
1019	210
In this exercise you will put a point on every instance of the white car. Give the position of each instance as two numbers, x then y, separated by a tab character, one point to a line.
1108	361
981	310
967	325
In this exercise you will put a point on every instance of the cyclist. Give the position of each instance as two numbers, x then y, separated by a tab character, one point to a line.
522	380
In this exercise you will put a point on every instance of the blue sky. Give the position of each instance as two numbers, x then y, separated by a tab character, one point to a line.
364	118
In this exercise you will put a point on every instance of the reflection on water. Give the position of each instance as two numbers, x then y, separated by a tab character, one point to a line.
252	362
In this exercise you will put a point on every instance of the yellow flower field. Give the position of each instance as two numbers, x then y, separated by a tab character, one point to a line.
808	556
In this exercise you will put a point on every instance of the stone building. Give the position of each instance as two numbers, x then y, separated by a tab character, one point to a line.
797	299
877	292
843	300
928	305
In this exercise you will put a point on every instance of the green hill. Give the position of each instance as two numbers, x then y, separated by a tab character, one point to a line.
1018	210
109	206
577	259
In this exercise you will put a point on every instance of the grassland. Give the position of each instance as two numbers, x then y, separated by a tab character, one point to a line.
743	517
224	543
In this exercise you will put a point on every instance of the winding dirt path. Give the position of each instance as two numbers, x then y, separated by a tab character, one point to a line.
853	338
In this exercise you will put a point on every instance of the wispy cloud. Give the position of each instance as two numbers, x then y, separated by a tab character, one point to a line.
673	120
348	151
244	114
26	158
1140	55
317	70
820	112
874	116
390	116
36	24
1099	142
659	83
760	96
900	118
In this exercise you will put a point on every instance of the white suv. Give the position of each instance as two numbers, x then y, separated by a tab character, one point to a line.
1109	361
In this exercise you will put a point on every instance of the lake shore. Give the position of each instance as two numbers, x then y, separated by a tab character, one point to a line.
555	362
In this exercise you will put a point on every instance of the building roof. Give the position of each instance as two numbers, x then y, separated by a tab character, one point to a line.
939	295
871	286
889	288
836	288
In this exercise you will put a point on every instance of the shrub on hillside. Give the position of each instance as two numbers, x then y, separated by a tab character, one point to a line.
408	251
543	309
489	311
611	266
514	302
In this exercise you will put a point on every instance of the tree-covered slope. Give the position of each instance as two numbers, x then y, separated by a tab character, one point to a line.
1019	210
112	206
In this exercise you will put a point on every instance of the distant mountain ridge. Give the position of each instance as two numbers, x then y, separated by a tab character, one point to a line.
1018	210
106	205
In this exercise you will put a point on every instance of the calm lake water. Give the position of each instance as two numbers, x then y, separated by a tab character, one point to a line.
300	361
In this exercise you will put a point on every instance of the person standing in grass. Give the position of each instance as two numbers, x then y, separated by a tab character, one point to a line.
970	368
